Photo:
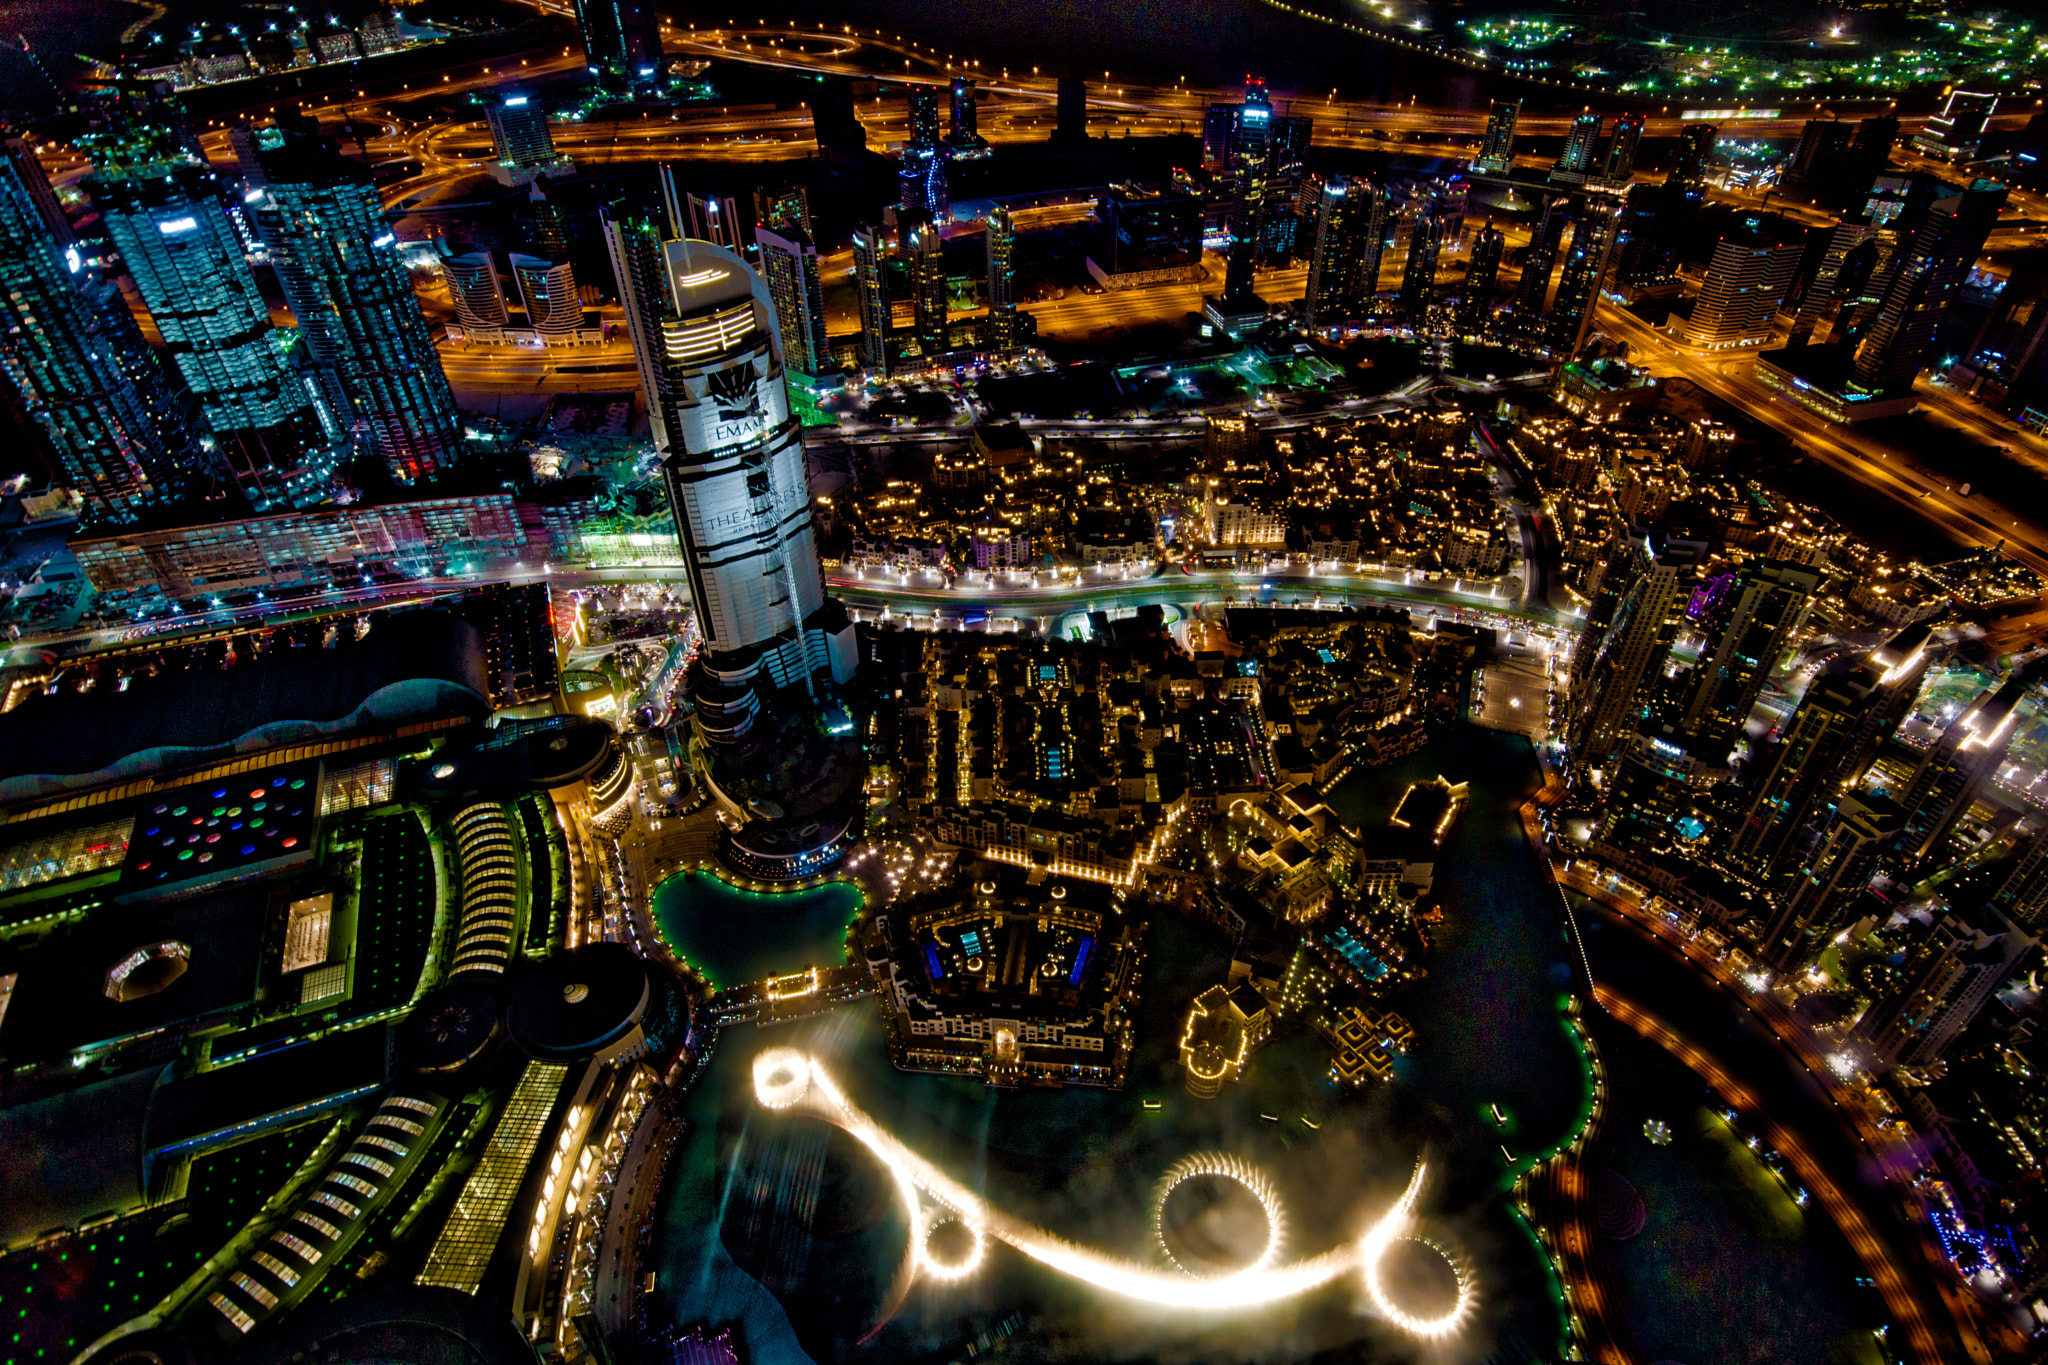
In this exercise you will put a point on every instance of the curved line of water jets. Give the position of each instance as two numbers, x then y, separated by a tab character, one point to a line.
786	1079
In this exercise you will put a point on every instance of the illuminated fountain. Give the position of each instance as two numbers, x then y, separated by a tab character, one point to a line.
950	1224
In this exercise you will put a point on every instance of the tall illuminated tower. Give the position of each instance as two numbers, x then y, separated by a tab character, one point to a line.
337	262
1002	282
1749	626
1955	769
871	287
622	43
1482	276
1575	162
1921	284
926	253
1596	232
160	207
96	394
1497	152
633	238
1418	276
736	480
789	263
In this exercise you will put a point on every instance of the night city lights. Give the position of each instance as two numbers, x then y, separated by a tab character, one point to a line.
1271	682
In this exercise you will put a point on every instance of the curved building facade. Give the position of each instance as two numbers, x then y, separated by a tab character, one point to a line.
488	852
735	475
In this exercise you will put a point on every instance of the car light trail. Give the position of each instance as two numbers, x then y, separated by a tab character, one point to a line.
788	1080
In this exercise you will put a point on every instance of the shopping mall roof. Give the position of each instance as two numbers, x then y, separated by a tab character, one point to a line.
411	666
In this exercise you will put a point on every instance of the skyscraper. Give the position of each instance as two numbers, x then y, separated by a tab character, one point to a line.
1923	280
1831	739
337	262
1695	155
1344	268
1620	165
30	179
1254	128
921	184
871	286
1954	770
1744	287
1287	147
1497	151
923	102
1636	610
735	477
478	293
1596	234
622	43
835	123
520	141
964	134
1418	275
789	266
1001	245
633	239
1956	133
1823	145
1824	884
548	289
926	252
1071	112
161	209
1482	275
709	216
103	405
1538	263
1961	960
788	207
1749	625
1575	162
1219	138
547	227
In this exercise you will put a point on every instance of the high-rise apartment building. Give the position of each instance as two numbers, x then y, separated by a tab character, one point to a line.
2023	895
1539	261
95	393
1926	275
925	251
923	111
736	480
161	209
1344	269
789	266
1961	960
1219	138
478	293
1695	155
871	288
521	145
1636	610
921	184
1418	275
633	239
1825	748
1619	165
1743	290
1497	150
835	123
1957	132
1954	770
548	291
1823	885
1821	153
1575	162
1070	112
1254	128
1001	247
1482	276
30	179
787	207
337	262
1749	625
1596	237
963	135
622	44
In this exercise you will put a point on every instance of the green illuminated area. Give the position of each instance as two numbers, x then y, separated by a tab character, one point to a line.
58	1296
1999	52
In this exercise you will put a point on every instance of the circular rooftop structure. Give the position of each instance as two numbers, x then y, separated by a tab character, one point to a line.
580	1003
450	1030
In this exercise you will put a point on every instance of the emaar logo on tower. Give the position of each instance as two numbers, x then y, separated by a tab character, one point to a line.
736	394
